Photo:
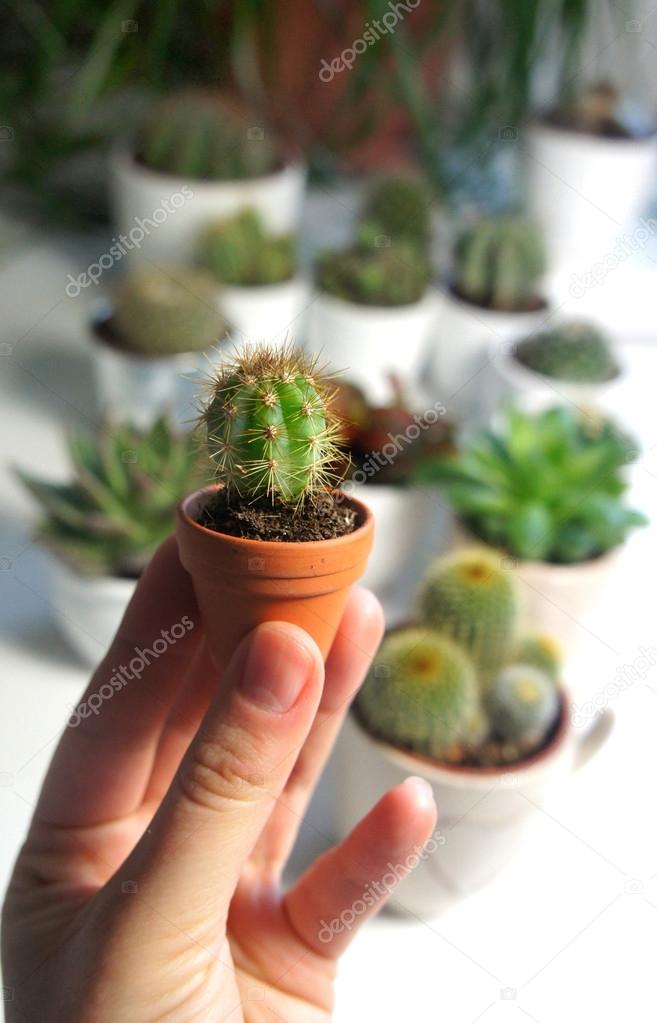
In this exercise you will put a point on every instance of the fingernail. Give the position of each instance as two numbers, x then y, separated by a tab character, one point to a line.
423	790
276	669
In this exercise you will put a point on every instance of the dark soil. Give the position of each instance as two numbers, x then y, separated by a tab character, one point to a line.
533	305
105	331
324	519
606	128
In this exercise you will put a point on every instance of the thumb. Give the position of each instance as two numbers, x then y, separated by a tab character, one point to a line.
189	860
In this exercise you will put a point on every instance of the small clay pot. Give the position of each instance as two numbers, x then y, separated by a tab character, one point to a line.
241	583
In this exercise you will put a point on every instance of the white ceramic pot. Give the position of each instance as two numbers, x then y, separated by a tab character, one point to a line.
367	343
272	313
89	610
463	338
584	190
483	813
186	206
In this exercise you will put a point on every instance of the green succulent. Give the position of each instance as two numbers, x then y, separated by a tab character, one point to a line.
522	704
498	263
546	487
541	652
575	352
121	502
371	275
469	597
202	136
421	692
270	428
240	251
167	310
400	209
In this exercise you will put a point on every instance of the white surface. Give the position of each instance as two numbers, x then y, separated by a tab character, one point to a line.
571	925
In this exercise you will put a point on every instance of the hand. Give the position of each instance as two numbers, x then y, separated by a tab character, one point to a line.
148	889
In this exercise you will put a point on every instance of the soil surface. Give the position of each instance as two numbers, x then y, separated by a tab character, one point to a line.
324	519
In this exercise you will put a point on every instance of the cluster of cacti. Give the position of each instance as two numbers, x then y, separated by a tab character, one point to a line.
375	275
498	262
122	501
541	652
578	352
270	428
241	252
203	136
398	208
165	310
522	704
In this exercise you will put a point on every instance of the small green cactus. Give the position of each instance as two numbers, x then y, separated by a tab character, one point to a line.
471	598
522	704
498	262
421	692
239	251
271	432
577	352
166	310
387	275
398	208
540	651
199	135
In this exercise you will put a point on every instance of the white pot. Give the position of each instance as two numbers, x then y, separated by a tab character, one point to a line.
137	193
463	338
585	190
367	343
483	814
89	610
271	313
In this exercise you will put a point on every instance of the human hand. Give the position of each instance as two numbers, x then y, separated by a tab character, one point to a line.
148	889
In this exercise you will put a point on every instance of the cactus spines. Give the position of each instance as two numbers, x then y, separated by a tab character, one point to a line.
270	429
387	275
577	352
166	310
399	207
471	598
240	251
498	262
421	692
540	651
522	704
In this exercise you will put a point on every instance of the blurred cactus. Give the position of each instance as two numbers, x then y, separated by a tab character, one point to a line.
541	652
522	704
498	263
398	208
577	352
239	251
389	275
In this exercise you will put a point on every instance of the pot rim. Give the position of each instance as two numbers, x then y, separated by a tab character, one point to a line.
567	570
506	361
539	125
298	281
360	309
124	159
101	313
450	295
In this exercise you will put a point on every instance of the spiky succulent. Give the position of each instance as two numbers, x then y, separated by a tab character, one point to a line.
400	209
498	262
541	652
522	704
240	251
166	310
471	598
270	428
578	352
200	135
122	500
387	275
421	692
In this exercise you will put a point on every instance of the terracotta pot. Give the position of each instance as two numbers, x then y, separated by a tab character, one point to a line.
241	583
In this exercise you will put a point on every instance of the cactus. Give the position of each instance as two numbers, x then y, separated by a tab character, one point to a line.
469	597
270	428
522	704
122	500
541	652
421	692
398	208
203	136
576	352
390	275
239	251
166	310
498	262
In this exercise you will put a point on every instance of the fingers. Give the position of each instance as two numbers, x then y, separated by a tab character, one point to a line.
354	646
190	859
350	883
104	759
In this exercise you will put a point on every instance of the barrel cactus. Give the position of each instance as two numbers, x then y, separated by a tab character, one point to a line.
541	652
577	352
421	692
471	598
166	310
399	208
386	275
498	263
522	704
241	252
271	431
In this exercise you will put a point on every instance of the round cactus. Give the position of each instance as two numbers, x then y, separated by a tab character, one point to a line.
576	352
270	429
522	704
471	598
399	208
368	274
498	262
239	251
165	310
421	692
541	652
